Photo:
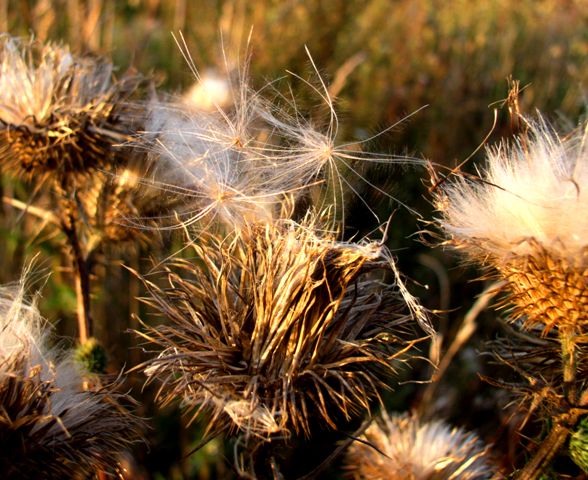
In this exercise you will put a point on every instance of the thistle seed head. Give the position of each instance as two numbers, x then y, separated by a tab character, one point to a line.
401	447
124	207
60	114
277	330
237	162
525	219
49	426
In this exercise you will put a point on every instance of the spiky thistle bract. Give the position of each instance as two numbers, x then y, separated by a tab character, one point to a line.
50	427
525	218
277	329
403	447
60	114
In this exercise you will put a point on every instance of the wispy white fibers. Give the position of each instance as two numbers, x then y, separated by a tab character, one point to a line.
401	446
50	426
535	189
35	79
239	163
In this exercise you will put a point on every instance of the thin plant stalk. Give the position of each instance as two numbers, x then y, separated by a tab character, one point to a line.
563	423
81	272
567	338
551	445
79	263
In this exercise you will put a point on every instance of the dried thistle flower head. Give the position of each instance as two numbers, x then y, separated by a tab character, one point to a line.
277	330
49	426
124	206
525	218
60	114
402	447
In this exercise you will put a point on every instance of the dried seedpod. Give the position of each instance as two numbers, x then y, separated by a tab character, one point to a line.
60	114
50	427
524	218
402	446
125	207
275	330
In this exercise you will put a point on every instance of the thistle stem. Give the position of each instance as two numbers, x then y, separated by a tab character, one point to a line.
80	264
82	284
567	341
548	449
563	424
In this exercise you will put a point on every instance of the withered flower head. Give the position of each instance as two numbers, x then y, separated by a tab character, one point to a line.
402	447
60	114
124	206
276	330
526	218
49	426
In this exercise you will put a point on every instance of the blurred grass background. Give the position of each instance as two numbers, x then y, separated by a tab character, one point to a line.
384	59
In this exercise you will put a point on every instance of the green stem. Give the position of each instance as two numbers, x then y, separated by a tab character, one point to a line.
567	339
564	422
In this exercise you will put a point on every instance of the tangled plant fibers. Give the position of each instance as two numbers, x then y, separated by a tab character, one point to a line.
49	426
402	447
274	329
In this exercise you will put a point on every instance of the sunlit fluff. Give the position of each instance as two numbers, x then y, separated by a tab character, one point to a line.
526	219
402	447
535	190
210	91
49	426
276	329
59	113
200	162
238	162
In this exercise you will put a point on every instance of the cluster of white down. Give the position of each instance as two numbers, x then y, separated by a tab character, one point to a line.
410	448
533	192
238	158
36	79
24	335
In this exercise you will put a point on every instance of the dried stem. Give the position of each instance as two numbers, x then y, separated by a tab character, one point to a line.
81	269
550	446
81	273
466	330
567	339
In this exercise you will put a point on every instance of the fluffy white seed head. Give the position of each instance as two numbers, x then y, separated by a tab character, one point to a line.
36	79
50	426
532	192
241	160
416	450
